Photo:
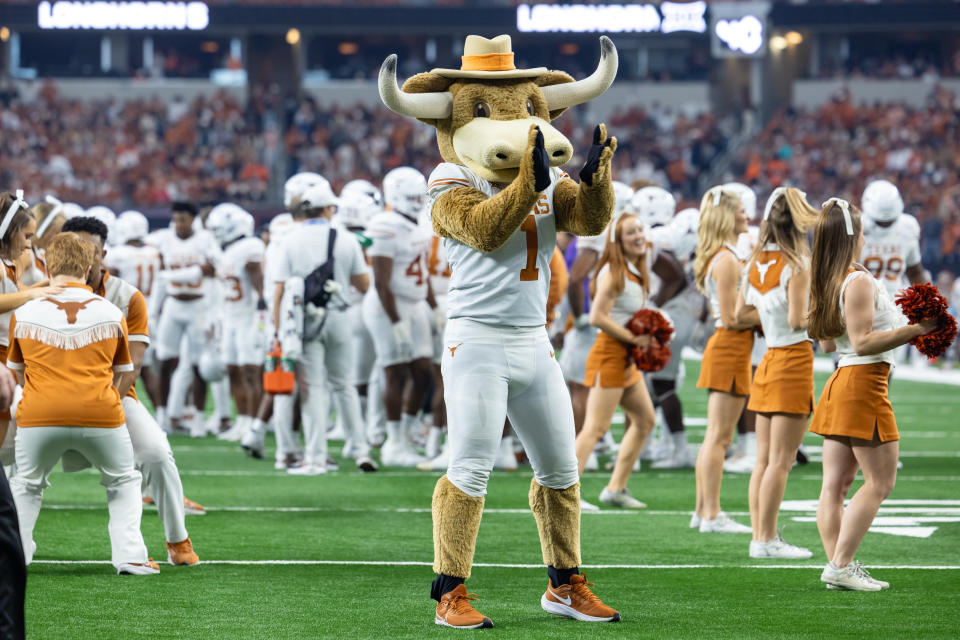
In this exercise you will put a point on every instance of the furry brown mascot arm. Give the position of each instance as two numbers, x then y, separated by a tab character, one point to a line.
485	223
586	209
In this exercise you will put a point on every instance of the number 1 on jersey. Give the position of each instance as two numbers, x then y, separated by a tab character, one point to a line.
530	272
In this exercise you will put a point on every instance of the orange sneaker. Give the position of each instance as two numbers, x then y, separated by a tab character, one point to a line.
138	568
192	508
455	610
182	553
575	600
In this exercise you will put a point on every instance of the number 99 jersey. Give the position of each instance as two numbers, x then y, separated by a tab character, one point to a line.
507	286
888	251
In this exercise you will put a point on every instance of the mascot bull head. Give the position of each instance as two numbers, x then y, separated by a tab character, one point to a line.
483	111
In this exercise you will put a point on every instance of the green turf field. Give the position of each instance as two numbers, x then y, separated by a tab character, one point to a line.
348	555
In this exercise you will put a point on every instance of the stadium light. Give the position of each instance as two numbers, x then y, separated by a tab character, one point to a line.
4	34
172	16
794	38
778	43
293	37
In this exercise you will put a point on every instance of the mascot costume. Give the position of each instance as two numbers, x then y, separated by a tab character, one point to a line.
497	202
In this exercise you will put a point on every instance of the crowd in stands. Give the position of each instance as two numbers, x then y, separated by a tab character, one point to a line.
836	148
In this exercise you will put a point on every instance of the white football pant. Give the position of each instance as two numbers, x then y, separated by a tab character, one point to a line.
39	448
179	319
491	373
154	457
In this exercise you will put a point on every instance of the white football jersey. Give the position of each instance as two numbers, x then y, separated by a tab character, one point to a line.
239	296
138	266
507	286
402	240
437	265
888	251
177	253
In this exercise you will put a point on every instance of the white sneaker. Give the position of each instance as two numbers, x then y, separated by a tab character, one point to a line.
399	454
332	464
723	524
851	577
740	464
308	470
694	521
377	435
621	499
195	425
677	460
252	443
288	462
592	463
587	506
439	463
654	451
147	568
778	548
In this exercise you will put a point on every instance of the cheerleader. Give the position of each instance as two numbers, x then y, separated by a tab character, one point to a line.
619	289
852	314
725	369
777	287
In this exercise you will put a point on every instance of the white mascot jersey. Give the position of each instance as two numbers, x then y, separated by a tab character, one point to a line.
509	285
888	251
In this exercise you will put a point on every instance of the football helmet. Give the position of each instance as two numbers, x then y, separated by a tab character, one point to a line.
881	201
654	206
298	183
622	194
405	191
355	210
73	210
747	197
211	366
365	187
685	226
131	225
228	222
107	217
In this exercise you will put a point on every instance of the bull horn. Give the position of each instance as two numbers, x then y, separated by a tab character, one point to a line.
561	96
426	106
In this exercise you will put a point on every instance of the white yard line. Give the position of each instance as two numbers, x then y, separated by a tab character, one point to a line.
504	565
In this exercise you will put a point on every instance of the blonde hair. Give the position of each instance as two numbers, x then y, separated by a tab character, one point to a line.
791	216
717	223
834	251
69	255
617	261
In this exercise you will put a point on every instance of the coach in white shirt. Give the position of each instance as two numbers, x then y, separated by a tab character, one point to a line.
328	356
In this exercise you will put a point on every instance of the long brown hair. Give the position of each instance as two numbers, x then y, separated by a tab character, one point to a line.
20	219
617	261
791	216
834	251
717	222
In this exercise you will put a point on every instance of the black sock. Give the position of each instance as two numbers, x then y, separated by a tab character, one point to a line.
561	576
444	584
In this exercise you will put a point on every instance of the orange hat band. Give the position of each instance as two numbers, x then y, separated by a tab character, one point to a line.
487	62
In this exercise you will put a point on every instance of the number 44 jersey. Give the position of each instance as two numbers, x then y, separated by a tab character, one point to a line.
507	286
402	240
888	251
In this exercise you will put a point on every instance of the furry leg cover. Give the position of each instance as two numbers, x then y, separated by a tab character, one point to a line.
557	512
456	521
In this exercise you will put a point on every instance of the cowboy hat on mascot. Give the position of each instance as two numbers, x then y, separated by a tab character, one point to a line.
498	201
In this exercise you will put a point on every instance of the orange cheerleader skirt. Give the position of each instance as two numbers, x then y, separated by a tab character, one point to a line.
726	362
855	404
783	382
610	365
